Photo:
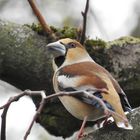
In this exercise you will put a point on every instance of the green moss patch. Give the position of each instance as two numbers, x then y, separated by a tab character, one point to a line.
123	41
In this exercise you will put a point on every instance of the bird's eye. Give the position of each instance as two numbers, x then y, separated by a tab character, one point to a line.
72	45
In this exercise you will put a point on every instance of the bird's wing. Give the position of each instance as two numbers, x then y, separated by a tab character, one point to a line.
70	79
68	82
124	101
88	75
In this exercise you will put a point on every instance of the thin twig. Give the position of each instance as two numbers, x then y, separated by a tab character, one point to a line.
5	108
4	113
3	123
90	96
43	101
41	19
84	14
39	110
13	99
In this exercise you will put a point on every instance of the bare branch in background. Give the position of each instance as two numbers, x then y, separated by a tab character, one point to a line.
3	123
83	93
84	14
4	114
39	110
41	19
6	106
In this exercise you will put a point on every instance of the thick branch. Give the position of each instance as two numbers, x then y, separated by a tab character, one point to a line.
84	14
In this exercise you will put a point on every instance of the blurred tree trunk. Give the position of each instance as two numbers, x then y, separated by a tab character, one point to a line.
25	63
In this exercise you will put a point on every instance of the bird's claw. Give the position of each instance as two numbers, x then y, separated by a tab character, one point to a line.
80	135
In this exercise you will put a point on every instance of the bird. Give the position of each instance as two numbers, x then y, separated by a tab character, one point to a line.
75	70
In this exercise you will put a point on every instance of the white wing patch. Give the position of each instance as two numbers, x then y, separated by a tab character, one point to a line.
66	81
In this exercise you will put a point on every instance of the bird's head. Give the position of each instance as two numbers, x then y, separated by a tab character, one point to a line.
67	51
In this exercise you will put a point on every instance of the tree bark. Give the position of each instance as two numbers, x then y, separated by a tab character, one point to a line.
111	132
25	63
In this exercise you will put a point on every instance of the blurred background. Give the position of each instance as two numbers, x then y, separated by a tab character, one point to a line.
108	19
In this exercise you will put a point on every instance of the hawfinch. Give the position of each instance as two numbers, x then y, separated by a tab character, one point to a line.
76	70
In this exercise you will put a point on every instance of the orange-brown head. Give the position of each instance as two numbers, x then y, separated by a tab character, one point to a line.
68	51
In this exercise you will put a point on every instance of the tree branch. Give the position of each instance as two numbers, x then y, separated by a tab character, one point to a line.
84	14
83	93
3	123
39	110
4	114
40	18
6	106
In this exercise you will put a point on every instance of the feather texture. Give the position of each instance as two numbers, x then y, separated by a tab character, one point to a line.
78	71
89	75
93	74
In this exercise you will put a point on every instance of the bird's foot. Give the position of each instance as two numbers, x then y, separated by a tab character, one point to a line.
80	135
106	122
81	131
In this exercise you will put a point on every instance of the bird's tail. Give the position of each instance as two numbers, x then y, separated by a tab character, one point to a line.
122	122
124	125
118	115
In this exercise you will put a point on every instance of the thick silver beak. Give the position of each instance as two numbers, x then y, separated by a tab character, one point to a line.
56	49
